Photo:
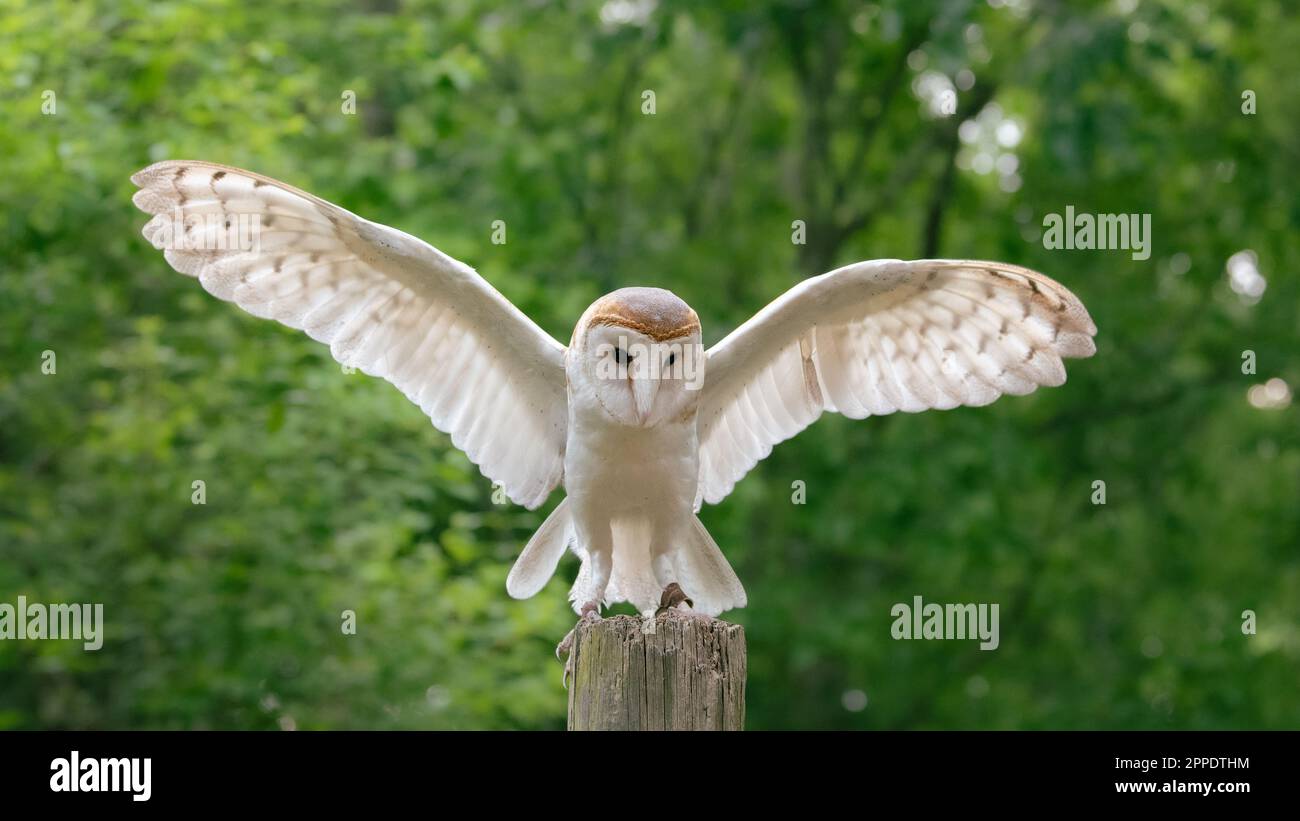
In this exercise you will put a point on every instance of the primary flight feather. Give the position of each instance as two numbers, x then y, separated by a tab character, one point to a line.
634	418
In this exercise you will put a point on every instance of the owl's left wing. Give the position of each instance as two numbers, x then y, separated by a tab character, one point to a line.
877	337
384	301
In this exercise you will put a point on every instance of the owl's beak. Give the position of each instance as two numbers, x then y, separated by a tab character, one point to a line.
643	396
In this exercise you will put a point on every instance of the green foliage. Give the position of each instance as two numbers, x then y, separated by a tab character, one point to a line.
329	492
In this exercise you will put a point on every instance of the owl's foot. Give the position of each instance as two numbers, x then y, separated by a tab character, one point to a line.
589	612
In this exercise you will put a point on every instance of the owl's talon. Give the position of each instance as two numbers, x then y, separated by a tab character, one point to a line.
564	676
590	612
565	645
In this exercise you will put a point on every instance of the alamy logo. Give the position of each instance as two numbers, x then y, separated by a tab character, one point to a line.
209	232
82	622
75	774
682	361
1103	232
946	621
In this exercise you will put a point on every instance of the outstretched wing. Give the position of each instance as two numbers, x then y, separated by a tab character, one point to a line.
384	302
878	337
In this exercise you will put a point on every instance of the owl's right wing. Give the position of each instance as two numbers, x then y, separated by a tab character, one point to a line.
384	301
877	337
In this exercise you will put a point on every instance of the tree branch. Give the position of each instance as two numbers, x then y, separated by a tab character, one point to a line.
870	126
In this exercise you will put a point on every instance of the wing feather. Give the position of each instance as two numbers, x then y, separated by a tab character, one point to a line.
879	337
383	301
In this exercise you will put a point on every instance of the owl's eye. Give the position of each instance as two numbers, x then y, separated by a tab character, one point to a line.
621	356
672	357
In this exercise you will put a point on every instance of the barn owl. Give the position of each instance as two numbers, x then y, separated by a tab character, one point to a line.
639	423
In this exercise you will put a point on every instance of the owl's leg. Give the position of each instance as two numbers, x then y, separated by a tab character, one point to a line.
600	564
600	561
666	539
663	541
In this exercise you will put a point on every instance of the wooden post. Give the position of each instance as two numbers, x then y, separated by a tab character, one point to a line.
687	675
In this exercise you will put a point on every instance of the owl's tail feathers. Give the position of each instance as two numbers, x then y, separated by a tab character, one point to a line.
535	566
701	569
705	574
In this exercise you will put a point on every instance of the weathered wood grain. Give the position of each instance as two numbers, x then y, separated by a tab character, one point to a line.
687	675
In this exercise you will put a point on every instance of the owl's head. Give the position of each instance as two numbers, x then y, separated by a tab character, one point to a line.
636	355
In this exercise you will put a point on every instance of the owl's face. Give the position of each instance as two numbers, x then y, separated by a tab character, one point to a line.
638	357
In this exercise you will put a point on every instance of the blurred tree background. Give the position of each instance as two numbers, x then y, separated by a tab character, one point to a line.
891	129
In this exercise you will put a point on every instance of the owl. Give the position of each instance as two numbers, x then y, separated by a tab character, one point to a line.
638	422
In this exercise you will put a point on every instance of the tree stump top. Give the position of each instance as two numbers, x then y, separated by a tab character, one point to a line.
689	674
